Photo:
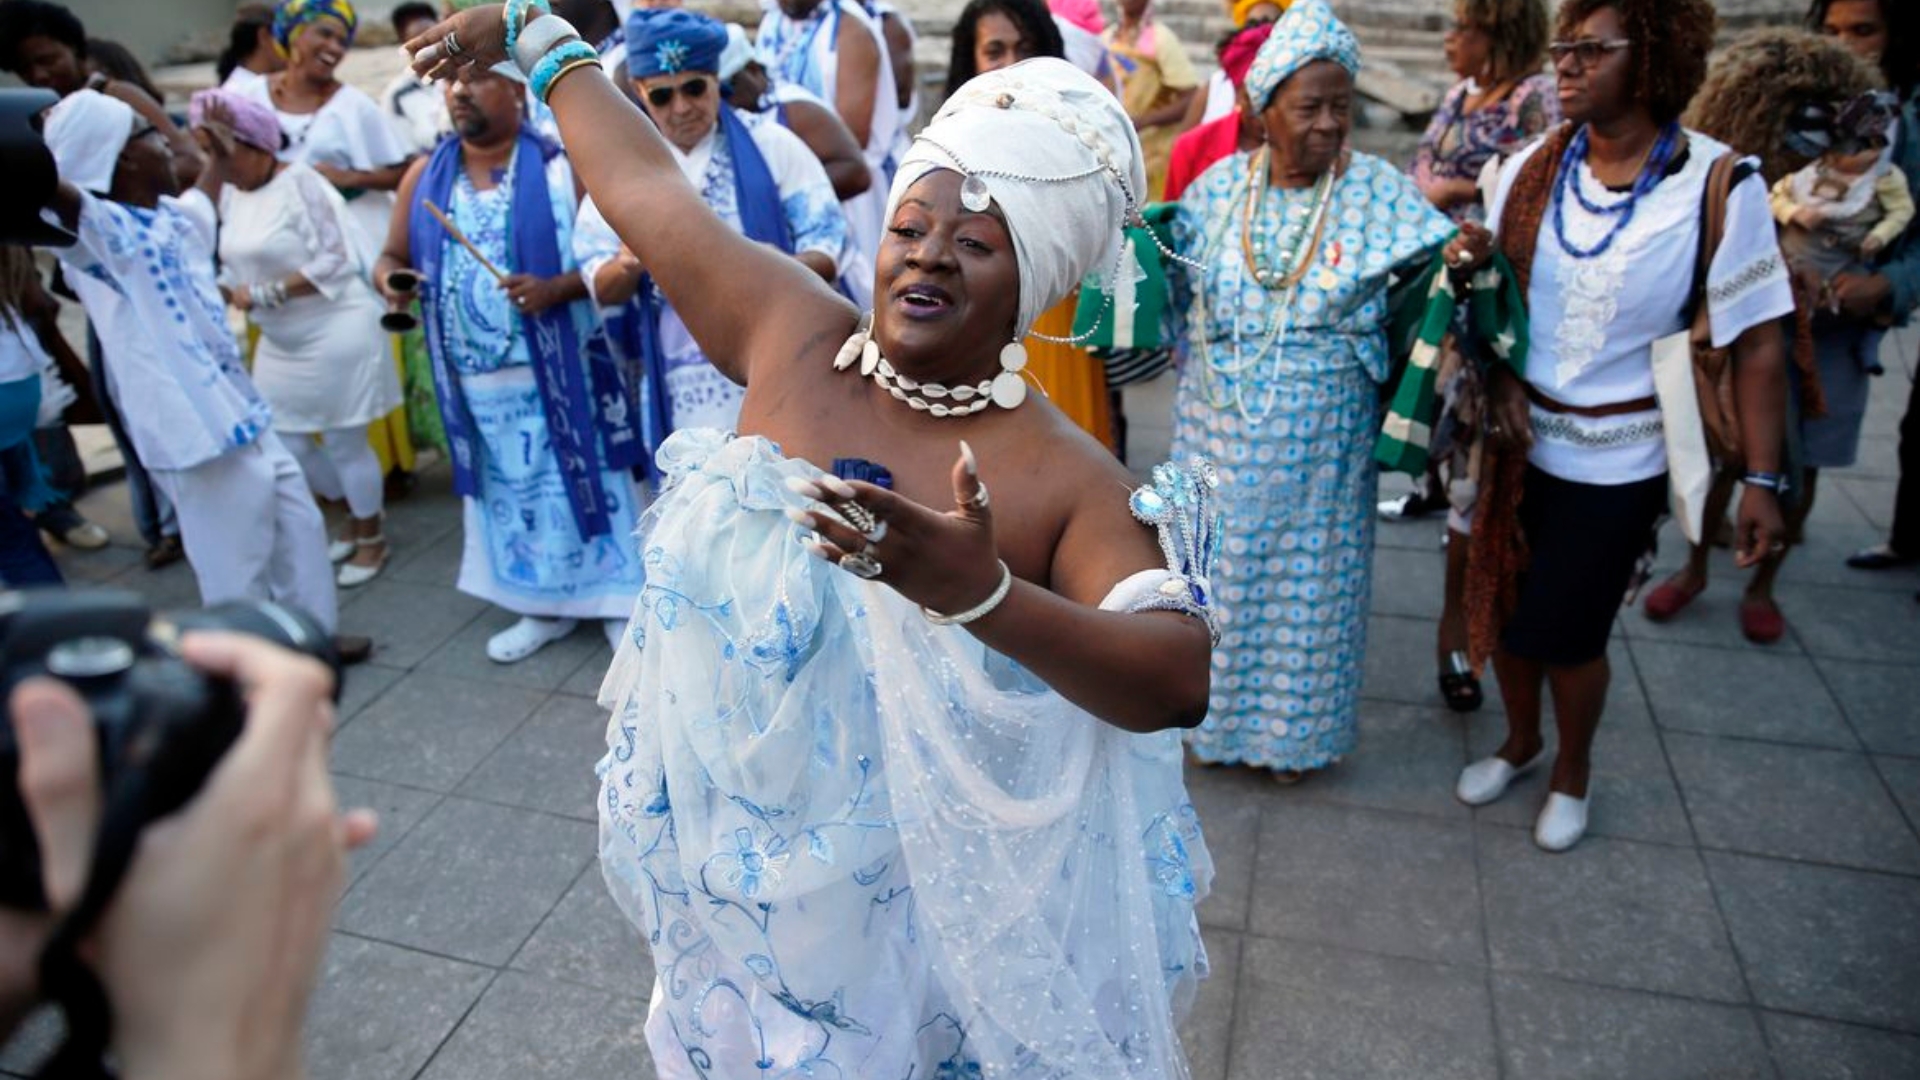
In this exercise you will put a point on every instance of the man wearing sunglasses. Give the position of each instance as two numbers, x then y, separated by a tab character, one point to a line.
757	175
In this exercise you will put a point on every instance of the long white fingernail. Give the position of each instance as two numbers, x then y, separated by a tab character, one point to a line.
799	517
821	550
804	488
967	460
837	486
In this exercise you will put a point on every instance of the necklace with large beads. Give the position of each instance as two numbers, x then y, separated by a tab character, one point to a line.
1007	389
1652	171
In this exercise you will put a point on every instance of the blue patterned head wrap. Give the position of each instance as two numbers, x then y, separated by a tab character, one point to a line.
292	16
667	41
1309	31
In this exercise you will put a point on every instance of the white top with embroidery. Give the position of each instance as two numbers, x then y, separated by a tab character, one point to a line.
1595	320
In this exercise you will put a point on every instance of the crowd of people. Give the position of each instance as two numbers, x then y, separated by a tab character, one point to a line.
725	336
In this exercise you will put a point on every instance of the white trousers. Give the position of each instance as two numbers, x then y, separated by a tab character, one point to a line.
342	464
251	530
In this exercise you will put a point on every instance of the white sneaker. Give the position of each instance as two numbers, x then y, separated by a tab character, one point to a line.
1562	822
1487	779
526	637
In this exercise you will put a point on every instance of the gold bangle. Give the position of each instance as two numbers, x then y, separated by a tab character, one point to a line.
585	61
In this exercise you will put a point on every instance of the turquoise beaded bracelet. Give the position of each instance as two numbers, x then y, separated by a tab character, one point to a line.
557	60
517	18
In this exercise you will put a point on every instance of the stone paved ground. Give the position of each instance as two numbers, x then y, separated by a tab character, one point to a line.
1748	904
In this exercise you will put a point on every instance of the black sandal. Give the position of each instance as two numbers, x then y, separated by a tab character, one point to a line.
1459	685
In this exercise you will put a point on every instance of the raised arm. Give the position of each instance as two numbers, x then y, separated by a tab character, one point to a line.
858	80
187	159
714	277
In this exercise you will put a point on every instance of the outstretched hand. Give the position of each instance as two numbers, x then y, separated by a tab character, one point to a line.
474	39
944	561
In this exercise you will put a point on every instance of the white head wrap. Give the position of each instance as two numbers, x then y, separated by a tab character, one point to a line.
735	56
85	133
1057	154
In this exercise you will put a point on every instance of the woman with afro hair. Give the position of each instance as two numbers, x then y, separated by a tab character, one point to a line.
1762	89
1600	220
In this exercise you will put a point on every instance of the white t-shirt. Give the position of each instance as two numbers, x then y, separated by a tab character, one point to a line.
1594	320
146	280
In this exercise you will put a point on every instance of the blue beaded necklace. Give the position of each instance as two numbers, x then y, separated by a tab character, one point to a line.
1650	174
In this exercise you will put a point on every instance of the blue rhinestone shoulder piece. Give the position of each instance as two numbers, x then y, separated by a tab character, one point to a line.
1180	504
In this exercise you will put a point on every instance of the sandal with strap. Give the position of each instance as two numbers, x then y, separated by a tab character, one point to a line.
1459	686
1668	599
352	575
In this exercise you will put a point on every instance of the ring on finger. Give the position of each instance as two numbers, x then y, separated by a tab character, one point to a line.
859	517
861	565
979	501
874	535
452	44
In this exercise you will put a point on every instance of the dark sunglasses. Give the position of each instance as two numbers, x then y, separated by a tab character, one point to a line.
1587	52
693	90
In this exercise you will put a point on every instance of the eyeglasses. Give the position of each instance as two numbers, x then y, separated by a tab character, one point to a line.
1586	53
693	90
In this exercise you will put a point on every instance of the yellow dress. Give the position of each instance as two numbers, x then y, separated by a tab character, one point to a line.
1073	380
1153	76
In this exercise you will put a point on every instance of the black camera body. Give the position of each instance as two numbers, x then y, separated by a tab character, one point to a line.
162	724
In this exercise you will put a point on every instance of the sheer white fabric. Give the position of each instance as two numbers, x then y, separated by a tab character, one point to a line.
863	846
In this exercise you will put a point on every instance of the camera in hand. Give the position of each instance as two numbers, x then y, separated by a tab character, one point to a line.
162	724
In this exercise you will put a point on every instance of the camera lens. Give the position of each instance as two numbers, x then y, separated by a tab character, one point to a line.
89	658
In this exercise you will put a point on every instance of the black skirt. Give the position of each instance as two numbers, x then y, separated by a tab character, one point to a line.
1583	541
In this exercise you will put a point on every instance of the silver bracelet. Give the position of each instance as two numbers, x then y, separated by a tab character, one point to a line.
539	37
980	610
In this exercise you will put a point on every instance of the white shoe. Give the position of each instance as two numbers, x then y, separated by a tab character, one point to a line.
1487	779
615	629
340	551
526	637
352	574
1562	822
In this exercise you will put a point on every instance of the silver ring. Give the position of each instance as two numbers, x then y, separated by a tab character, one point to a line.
861	565
519	301
979	500
858	517
875	535
452	46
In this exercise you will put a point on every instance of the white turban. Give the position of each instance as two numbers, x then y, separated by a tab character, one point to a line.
736	55
85	132
1060	158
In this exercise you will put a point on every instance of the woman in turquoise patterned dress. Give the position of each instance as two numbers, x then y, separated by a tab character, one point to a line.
1286	347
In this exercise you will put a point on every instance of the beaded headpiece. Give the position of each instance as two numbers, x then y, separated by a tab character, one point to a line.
1056	152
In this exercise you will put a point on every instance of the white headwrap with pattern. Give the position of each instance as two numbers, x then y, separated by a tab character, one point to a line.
1056	152
1309	31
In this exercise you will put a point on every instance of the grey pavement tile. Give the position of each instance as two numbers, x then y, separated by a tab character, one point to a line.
585	680
587	939
1400	665
1764	799
434	563
530	1028
1879	457
1903	779
1872	497
1421	535
400	809
1714	616
1229	801
1631	795
362	683
1362	879
1407	759
1408	581
1610	912
1822	941
426	515
1822	558
1808	1049
1738	692
1854	624
549	763
1207	1031
102	565
1879	700
171	588
407	622
1555	1030
1330	1014
380	1010
472	881
431	730
464	656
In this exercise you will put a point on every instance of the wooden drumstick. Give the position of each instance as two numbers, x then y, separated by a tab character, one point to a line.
454	231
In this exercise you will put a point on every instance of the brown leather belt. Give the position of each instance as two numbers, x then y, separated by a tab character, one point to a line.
1618	408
